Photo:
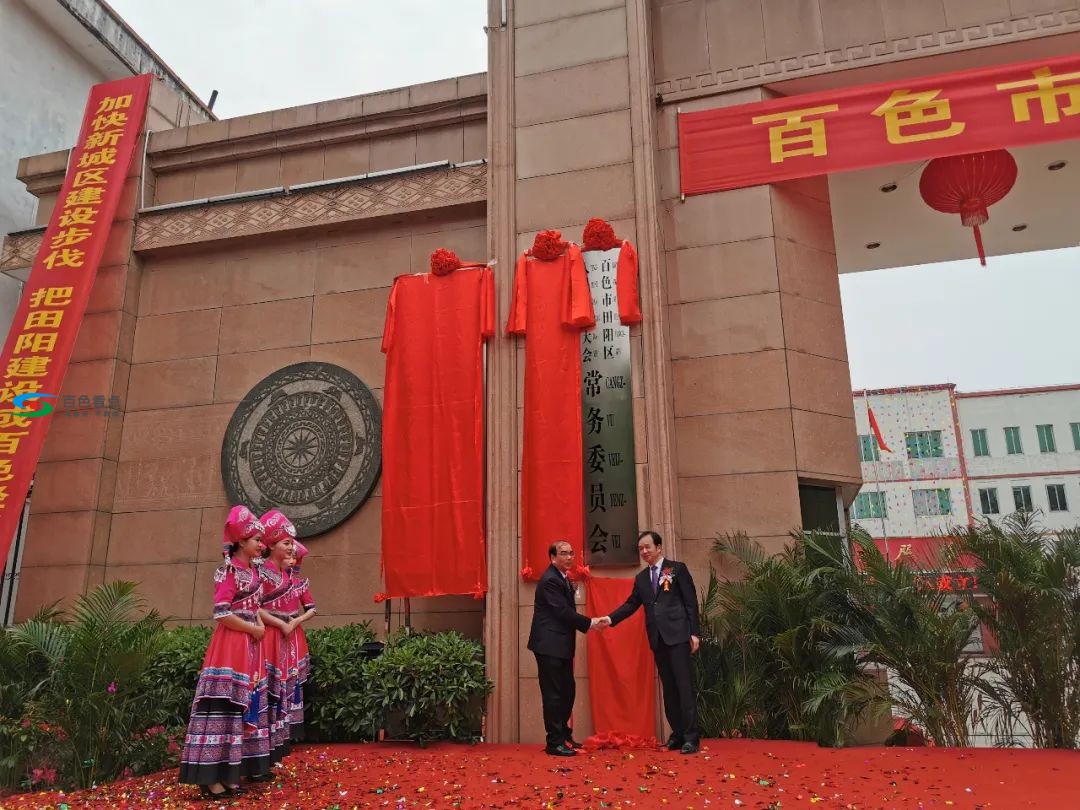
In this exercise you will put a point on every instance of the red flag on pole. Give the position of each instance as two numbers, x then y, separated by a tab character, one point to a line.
876	429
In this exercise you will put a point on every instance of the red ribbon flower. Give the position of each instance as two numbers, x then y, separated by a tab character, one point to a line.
599	235
444	262
381	597
479	591
548	245
581	572
527	572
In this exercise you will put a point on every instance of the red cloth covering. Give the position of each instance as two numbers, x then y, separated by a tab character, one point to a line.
622	674
433	433
626	285
551	299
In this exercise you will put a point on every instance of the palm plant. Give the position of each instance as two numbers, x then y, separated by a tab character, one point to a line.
1032	579
89	667
726	676
787	610
916	632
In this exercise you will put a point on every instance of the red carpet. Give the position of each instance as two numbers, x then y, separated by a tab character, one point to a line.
727	773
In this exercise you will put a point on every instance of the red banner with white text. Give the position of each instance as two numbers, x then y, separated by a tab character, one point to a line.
46	323
876	125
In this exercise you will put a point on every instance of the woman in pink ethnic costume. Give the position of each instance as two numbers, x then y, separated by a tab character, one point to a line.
274	612
301	607
228	735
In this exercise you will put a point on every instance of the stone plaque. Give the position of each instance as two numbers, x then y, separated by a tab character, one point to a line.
608	423
308	441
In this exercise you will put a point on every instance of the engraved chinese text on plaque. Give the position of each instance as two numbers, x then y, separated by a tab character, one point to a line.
608	423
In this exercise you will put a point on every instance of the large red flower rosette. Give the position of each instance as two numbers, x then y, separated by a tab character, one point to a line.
444	262
548	245
599	235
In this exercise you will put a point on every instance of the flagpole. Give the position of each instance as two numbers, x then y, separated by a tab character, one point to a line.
877	481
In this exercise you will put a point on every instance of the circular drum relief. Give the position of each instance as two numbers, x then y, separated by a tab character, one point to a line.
307	440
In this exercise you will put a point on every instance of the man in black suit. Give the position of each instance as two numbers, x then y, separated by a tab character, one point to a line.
667	591
552	641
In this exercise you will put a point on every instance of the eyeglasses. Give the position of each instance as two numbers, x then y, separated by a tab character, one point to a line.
566	554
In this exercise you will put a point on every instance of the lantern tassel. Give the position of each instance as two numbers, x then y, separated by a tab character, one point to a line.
979	245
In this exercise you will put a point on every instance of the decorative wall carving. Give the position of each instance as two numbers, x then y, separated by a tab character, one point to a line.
20	249
306	208
724	80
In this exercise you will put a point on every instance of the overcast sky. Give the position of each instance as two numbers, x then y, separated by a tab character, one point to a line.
1012	323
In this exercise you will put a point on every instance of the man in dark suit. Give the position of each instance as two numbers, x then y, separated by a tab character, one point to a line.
667	591
552	641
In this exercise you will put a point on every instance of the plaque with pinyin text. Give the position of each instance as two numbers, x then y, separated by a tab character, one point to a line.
608	423
307	440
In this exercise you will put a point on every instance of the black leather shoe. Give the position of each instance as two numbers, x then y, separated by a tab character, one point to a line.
689	748
560	751
674	744
572	743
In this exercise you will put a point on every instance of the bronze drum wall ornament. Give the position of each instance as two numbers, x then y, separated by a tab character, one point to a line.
307	440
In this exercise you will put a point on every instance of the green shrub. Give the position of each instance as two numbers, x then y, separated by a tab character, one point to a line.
169	681
432	685
91	663
338	703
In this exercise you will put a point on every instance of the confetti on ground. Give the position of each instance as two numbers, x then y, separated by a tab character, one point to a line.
726	773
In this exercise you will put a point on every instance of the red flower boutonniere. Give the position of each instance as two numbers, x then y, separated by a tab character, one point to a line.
667	575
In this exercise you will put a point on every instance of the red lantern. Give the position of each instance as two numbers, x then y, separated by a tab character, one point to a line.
968	185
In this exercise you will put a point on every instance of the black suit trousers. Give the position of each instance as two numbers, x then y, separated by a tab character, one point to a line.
557	692
677	679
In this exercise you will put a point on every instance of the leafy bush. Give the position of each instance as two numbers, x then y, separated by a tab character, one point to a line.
32	756
168	684
433	685
338	703
88	667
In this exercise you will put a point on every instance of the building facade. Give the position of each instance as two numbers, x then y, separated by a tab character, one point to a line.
251	244
955	458
51	53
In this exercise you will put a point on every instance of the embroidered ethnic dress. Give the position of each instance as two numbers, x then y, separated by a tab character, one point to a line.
274	593
298	600
228	733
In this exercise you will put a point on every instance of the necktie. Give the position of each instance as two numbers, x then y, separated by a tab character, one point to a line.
655	579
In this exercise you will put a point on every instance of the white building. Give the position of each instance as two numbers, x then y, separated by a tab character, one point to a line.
954	458
1022	451
914	489
51	53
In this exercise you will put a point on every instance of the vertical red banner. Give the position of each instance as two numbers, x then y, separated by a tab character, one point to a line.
43	331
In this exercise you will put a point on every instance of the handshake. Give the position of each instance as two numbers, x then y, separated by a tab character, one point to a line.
600	623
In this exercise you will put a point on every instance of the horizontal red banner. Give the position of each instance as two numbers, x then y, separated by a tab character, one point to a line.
880	124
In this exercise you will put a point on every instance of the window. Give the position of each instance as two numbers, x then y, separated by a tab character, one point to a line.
869	505
989	502
1047	444
1076	435
978	439
1012	441
868	449
931	502
1055	493
924	444
1022	499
